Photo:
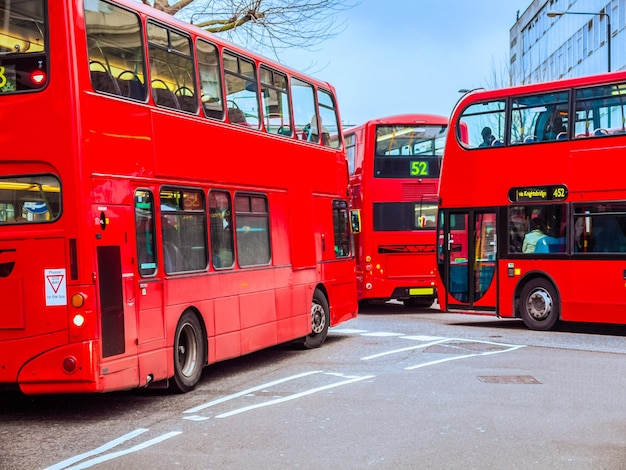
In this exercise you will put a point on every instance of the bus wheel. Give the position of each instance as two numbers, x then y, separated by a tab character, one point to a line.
320	320
539	305
189	355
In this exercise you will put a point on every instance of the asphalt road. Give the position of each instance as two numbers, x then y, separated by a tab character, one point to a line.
392	389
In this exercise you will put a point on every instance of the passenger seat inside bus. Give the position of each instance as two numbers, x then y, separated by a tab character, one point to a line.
165	97
172	258
236	116
549	244
105	82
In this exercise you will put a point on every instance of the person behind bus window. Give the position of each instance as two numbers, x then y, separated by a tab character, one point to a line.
556	130
532	237
488	137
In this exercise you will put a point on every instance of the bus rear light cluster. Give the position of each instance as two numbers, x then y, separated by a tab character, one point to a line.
368	286
368	267
69	364
78	300
38	77
78	320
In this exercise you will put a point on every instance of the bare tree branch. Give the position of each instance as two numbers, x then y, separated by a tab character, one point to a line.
263	24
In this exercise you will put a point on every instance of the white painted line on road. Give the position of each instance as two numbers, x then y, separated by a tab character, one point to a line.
120	453
346	331
99	450
382	334
409	348
423	338
246	392
447	359
294	396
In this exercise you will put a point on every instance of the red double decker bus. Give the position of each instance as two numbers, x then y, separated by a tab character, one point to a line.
151	219
532	217
394	175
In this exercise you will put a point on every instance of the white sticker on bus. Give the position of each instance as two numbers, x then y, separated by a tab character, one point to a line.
56	293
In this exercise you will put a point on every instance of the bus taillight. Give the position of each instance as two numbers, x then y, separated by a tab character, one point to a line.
38	77
69	364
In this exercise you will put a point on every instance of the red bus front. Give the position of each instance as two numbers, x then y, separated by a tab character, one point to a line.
395	164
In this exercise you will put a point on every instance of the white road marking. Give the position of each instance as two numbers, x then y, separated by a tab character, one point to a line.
382	334
423	338
454	358
294	396
346	331
114	455
249	390
103	448
409	348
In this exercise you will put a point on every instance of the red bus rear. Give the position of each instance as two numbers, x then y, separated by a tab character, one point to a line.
151	220
394	174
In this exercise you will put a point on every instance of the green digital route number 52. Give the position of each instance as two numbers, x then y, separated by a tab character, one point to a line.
419	168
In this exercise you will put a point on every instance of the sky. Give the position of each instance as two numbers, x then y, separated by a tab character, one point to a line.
411	56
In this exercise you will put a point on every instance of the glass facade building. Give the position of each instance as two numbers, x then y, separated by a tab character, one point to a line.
554	39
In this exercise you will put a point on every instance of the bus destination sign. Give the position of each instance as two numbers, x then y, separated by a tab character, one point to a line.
557	192
419	168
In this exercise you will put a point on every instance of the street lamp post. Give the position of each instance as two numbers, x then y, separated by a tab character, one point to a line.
553	14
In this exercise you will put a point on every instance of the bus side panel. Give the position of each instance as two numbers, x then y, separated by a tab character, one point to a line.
598	298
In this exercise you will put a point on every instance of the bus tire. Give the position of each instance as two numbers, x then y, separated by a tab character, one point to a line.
320	321
539	305
189	353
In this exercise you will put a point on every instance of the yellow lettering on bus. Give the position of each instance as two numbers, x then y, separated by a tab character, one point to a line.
3	77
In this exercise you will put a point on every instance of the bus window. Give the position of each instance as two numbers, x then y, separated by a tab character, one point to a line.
275	101
402	216
144	231
539	117
29	199
535	228
183	224
341	222
328	120
23	39
304	110
171	69
116	58
221	228
241	91
210	80
600	111
408	151
253	240
351	152
600	228
479	117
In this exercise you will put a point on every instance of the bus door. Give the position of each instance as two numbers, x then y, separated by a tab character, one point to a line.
115	288
467	259
151	344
